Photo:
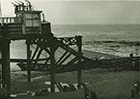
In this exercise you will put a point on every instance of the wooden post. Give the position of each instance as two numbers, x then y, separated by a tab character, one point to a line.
79	45
28	61
79	78
52	73
6	83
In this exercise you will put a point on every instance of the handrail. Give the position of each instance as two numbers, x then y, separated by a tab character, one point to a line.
10	20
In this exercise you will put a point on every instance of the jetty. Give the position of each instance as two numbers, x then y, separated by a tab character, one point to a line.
29	25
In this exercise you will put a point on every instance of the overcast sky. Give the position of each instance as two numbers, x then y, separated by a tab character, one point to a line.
84	12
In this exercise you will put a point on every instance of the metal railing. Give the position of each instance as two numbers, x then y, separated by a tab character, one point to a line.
7	20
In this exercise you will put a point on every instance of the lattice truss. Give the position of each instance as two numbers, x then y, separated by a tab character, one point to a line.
68	57
65	53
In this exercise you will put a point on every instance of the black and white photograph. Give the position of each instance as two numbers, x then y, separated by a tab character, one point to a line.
69	49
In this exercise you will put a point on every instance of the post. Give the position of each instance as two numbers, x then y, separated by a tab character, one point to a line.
79	45
6	83
28	61
52	73
79	78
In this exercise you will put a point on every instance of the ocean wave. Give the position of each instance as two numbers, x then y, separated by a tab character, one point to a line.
125	42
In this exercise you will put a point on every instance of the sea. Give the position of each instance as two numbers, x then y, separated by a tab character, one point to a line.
118	40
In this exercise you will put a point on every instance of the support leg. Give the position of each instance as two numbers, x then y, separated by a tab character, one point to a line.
79	45
28	62
79	78
52	74
6	83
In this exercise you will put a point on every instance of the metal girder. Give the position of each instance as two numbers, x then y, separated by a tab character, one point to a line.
90	64
64	59
68	40
44	44
38	67
73	64
38	55
37	48
61	57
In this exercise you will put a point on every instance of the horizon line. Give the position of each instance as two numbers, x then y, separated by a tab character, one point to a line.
95	24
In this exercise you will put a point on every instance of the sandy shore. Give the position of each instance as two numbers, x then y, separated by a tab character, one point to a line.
107	84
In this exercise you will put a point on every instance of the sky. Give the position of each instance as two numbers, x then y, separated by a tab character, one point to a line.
83	11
